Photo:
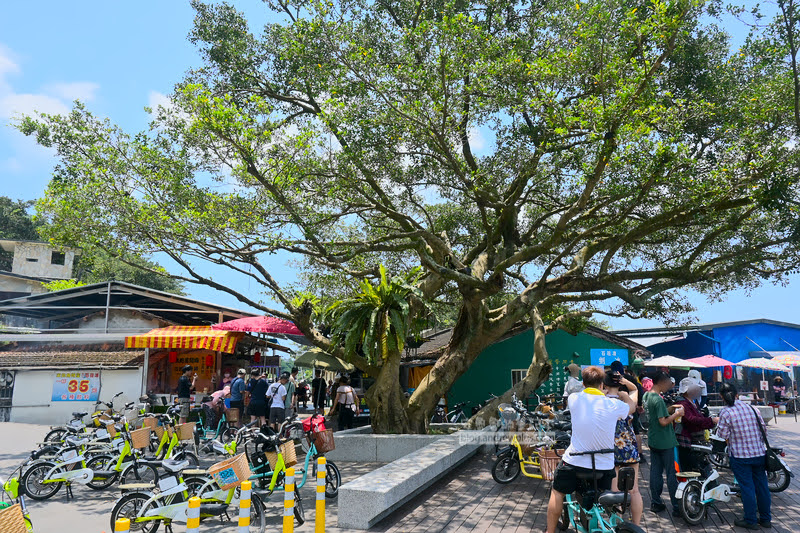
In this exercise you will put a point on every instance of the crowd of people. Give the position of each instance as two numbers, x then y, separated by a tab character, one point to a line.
273	402
606	406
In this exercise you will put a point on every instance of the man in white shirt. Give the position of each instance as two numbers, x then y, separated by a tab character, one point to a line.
277	396
594	422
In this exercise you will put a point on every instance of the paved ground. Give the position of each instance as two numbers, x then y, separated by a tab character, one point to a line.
91	510
467	500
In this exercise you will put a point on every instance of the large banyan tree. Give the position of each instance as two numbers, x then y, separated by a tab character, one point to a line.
539	162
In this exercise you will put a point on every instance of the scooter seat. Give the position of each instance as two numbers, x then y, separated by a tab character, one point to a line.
150	462
75	441
79	415
171	465
611	498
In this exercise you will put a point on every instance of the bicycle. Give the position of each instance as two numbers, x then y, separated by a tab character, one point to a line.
454	416
11	491
146	508
697	491
171	439
45	477
76	426
128	465
599	512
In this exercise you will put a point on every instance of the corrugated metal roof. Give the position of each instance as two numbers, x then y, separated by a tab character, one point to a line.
72	359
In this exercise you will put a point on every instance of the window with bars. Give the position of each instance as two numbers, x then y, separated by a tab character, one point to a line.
518	375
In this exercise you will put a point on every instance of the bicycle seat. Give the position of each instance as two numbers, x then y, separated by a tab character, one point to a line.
79	415
171	465
609	498
562	425
150	462
75	441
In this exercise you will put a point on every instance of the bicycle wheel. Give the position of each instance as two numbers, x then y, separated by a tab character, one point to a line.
779	480
194	462
628	527
333	480
56	435
102	463
299	513
563	522
258	516
719	460
505	469
33	481
228	435
139	473
692	508
129	506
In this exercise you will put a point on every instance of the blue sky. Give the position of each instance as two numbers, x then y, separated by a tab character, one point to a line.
119	57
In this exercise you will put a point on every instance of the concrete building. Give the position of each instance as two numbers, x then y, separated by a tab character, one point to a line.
34	263
75	352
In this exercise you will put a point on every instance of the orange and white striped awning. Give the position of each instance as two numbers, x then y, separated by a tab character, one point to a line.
188	337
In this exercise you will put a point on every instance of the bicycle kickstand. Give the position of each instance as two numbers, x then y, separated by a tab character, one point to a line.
68	489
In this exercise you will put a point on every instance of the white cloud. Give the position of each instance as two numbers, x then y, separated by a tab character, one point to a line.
156	99
476	140
14	105
78	90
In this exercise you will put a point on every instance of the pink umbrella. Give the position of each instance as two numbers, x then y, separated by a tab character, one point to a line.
259	324
710	361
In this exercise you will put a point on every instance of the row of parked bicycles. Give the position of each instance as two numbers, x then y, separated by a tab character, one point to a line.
537	438
156	464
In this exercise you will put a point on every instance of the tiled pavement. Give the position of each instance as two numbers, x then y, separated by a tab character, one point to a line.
469	500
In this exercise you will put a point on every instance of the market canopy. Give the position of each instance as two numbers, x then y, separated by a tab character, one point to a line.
670	361
186	337
789	359
763	364
710	361
316	358
259	324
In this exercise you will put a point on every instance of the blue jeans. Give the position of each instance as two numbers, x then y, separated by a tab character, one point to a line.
663	461
752	478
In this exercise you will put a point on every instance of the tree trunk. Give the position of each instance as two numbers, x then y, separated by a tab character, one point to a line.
538	372
386	401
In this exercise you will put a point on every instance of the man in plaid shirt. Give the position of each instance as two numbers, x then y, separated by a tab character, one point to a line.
740	425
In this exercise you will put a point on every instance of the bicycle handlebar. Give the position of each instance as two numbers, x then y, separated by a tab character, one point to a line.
597	452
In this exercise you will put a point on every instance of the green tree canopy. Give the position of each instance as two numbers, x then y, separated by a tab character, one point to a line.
628	153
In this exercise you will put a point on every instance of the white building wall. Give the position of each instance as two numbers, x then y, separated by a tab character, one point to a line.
33	390
34	259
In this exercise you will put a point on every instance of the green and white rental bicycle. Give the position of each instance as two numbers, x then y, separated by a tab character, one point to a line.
11	495
598	512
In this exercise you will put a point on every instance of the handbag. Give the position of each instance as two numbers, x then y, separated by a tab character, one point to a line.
772	460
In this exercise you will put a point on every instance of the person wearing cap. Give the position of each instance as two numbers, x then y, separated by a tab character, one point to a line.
276	394
573	384
185	388
693	425
703	400
238	387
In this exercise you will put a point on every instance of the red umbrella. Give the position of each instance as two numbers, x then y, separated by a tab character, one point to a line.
259	324
709	361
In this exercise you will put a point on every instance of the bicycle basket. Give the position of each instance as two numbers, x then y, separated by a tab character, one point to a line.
149	422
548	462
140	438
185	431
289	455
323	441
232	414
11	520
112	430
230	472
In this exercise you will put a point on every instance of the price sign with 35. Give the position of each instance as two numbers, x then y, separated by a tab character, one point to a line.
76	386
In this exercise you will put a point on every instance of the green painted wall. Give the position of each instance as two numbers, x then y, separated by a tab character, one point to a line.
491	371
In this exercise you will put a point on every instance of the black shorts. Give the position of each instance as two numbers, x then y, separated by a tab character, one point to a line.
238	404
566	480
257	409
637	424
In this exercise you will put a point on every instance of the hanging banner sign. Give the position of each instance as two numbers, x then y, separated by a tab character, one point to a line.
605	356
76	386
